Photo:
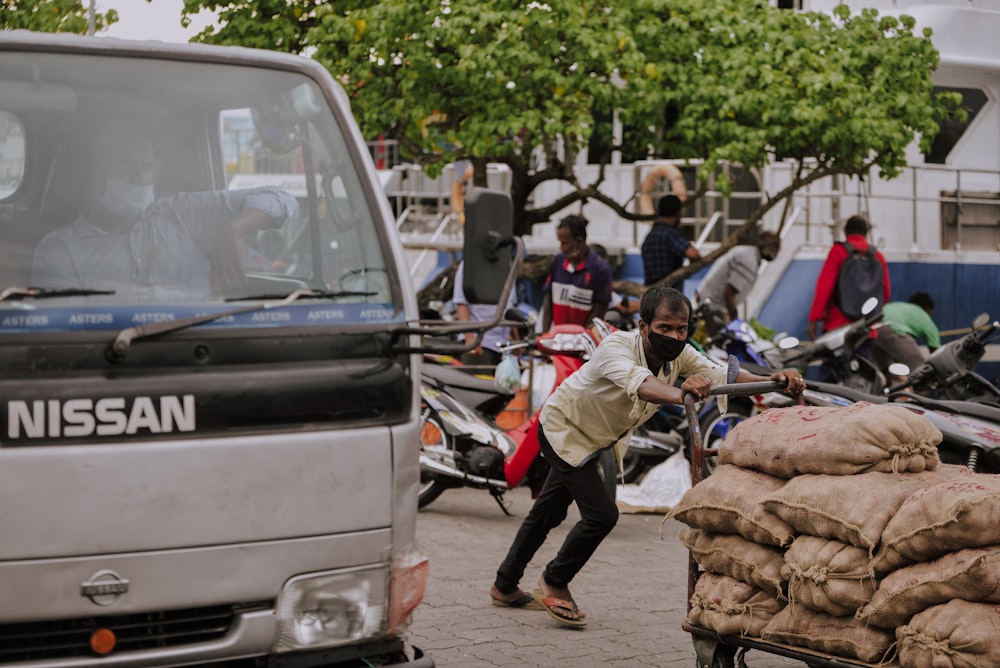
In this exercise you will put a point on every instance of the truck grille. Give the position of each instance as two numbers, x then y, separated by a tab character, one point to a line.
70	638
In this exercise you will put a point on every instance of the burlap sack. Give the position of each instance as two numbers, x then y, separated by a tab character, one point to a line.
728	501
737	557
853	509
970	575
957	634
787	442
730	607
843	637
950	516
828	575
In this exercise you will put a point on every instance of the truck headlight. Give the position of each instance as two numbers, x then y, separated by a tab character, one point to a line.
331	608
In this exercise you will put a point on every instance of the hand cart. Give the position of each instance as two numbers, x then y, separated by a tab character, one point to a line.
713	650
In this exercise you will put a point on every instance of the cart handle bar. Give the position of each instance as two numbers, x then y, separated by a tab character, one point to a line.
747	389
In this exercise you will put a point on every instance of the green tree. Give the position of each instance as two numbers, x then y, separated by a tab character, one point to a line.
729	81
52	16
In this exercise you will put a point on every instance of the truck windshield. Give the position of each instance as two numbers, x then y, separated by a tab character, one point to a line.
137	189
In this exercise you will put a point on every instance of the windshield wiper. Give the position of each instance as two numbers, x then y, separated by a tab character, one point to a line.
15	293
310	294
125	337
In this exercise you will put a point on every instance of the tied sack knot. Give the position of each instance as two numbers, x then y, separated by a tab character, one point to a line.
743	611
927	643
817	574
905	450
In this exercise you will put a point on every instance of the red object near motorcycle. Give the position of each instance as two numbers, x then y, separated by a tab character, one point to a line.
462	443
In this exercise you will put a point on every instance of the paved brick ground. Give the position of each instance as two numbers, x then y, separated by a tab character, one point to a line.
633	589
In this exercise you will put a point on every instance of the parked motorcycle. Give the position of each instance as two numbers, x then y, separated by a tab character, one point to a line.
738	338
966	412
654	442
839	353
949	372
970	430
460	443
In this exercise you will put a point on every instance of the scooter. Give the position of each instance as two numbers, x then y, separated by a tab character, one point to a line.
966	408
839	353
971	431
460	443
949	372
739	339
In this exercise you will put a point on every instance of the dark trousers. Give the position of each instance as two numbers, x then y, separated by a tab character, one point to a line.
564	484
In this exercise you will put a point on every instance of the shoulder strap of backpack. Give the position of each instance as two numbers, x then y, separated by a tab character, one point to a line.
851	250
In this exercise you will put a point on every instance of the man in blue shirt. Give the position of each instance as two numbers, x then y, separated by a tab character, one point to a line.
664	249
493	341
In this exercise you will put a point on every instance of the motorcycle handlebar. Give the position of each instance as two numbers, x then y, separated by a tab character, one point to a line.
899	387
979	338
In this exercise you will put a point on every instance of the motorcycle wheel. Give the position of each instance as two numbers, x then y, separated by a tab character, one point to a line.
715	426
434	443
632	468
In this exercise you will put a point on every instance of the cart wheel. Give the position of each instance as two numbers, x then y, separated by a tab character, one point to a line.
724	657
711	653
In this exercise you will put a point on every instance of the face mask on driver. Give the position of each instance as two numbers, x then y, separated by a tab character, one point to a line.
127	199
667	348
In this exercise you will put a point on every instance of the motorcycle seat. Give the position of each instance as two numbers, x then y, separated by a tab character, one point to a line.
844	391
970	408
451	377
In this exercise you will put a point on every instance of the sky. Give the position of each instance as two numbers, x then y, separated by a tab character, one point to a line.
159	19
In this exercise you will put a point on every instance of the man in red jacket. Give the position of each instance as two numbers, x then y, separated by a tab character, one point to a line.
824	307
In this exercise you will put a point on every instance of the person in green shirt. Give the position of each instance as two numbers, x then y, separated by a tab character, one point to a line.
905	325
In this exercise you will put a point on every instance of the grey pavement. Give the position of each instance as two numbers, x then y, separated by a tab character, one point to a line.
633	590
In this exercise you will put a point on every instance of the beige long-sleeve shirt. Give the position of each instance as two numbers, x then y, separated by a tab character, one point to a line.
599	405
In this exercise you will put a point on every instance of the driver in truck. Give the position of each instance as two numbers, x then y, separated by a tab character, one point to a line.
191	243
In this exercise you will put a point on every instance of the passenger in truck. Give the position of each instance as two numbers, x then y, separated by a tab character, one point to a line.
126	240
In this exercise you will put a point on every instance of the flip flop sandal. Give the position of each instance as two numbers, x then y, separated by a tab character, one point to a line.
552	604
524	601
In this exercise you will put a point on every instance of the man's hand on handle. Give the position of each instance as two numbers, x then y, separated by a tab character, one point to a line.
791	378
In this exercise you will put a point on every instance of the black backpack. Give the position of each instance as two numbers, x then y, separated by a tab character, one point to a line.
860	278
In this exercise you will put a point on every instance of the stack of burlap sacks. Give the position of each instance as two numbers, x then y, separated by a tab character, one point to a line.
839	530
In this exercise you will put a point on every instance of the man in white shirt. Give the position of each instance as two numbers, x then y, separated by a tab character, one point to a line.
731	278
630	375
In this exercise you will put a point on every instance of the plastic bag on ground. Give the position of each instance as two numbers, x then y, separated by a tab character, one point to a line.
661	488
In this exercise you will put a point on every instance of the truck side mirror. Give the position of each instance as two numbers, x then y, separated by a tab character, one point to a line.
489	225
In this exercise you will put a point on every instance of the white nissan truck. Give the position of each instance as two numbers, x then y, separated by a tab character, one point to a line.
209	447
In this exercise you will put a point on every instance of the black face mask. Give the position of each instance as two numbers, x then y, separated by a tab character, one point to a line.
665	347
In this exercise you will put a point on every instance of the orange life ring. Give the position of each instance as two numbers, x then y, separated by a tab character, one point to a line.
667	171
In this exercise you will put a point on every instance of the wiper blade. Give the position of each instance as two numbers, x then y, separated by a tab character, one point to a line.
127	336
307	294
15	293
